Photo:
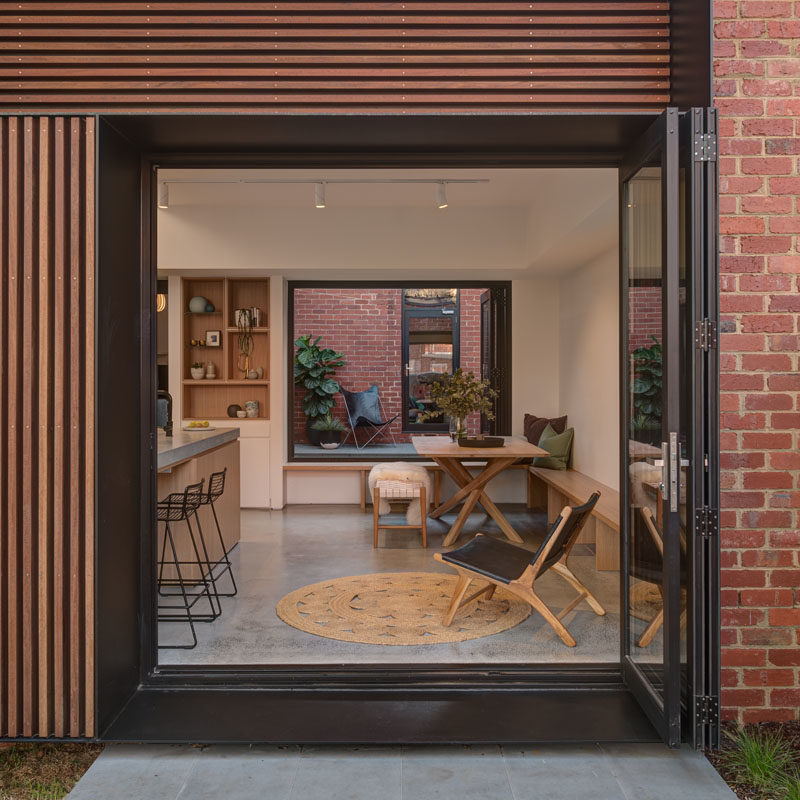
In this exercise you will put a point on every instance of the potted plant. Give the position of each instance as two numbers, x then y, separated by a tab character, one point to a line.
646	368
313	368
198	370
459	395
330	431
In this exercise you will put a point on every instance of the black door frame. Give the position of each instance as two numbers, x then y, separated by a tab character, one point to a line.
138	700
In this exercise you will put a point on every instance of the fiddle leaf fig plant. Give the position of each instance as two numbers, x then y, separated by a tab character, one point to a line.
646	387
313	368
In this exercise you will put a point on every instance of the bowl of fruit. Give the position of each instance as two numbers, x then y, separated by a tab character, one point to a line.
198	426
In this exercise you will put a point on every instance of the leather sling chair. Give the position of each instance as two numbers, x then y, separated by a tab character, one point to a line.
651	570
516	569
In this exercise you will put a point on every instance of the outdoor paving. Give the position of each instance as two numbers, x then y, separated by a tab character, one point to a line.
552	772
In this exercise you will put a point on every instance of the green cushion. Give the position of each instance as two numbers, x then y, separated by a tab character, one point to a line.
559	445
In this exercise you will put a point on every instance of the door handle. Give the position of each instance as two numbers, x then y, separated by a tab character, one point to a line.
674	460
663	462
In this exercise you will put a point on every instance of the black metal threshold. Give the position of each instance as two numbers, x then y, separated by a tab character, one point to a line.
454	717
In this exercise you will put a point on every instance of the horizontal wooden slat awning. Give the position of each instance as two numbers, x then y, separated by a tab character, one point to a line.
335	56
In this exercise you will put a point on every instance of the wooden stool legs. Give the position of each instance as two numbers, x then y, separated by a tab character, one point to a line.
423	506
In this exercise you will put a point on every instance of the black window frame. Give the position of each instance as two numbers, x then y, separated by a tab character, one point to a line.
504	354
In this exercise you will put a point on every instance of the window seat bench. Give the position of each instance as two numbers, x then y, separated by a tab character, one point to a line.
553	489
364	468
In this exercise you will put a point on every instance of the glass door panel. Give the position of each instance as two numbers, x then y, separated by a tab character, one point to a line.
430	349
653	372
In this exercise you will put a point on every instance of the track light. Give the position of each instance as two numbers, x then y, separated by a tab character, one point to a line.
441	195
163	195
319	195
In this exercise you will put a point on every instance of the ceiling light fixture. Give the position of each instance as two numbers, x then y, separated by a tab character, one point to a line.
441	195
163	195
319	195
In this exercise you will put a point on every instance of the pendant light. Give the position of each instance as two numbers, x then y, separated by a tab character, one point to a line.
441	195
319	195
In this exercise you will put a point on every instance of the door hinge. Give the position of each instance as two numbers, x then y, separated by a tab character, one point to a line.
705	334
707	709
705	147
706	522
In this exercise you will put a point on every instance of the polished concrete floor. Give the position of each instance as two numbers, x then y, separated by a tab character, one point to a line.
552	772
284	550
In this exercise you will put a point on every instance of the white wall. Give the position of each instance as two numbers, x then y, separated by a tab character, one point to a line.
589	365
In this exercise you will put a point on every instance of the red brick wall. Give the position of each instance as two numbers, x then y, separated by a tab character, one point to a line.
644	316
757	71
365	325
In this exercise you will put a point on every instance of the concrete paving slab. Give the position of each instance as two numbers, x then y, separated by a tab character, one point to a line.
550	772
446	773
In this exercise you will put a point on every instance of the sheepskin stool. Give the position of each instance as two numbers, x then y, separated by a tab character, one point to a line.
400	480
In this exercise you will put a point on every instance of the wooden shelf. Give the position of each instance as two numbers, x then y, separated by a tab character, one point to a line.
220	382
210	398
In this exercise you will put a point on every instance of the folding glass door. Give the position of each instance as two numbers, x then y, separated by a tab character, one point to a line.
667	254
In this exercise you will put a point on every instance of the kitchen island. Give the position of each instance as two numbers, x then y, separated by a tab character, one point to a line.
186	458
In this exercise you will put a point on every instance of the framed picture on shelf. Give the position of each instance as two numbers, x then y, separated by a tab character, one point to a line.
213	338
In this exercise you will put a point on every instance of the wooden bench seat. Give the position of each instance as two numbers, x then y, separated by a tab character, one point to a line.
553	489
363	469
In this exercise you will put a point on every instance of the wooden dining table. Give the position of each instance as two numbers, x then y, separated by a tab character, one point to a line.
453	458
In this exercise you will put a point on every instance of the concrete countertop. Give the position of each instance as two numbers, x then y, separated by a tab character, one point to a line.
183	445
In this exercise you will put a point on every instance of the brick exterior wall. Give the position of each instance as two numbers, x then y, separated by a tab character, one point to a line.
365	325
757	75
645	316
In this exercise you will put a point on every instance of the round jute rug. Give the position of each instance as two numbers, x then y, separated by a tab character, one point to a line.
396	608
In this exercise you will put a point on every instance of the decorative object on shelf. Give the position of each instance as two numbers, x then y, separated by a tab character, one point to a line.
233	410
213	338
198	343
197	305
198	370
459	395
210	309
330	431
211	371
252	375
260	373
244	325
241	414
313	368
251	407
482	441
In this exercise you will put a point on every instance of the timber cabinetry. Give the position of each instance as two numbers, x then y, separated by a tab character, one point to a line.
209	398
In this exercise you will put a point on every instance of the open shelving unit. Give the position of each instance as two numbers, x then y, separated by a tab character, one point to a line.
209	398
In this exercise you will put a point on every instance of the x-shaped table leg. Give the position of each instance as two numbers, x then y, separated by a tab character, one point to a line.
471	492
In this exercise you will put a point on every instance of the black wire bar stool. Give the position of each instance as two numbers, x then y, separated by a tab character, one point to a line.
181	507
216	487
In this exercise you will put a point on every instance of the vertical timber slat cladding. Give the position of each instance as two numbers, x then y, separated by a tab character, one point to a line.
47	429
334	57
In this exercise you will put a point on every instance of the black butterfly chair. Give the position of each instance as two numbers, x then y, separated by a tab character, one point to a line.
515	568
365	410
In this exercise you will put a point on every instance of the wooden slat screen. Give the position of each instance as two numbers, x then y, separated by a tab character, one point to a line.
47	426
332	56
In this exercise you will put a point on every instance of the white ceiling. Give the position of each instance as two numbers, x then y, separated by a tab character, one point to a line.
520	222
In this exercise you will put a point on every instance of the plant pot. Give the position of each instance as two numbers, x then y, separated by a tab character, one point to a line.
312	435
330	440
198	373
